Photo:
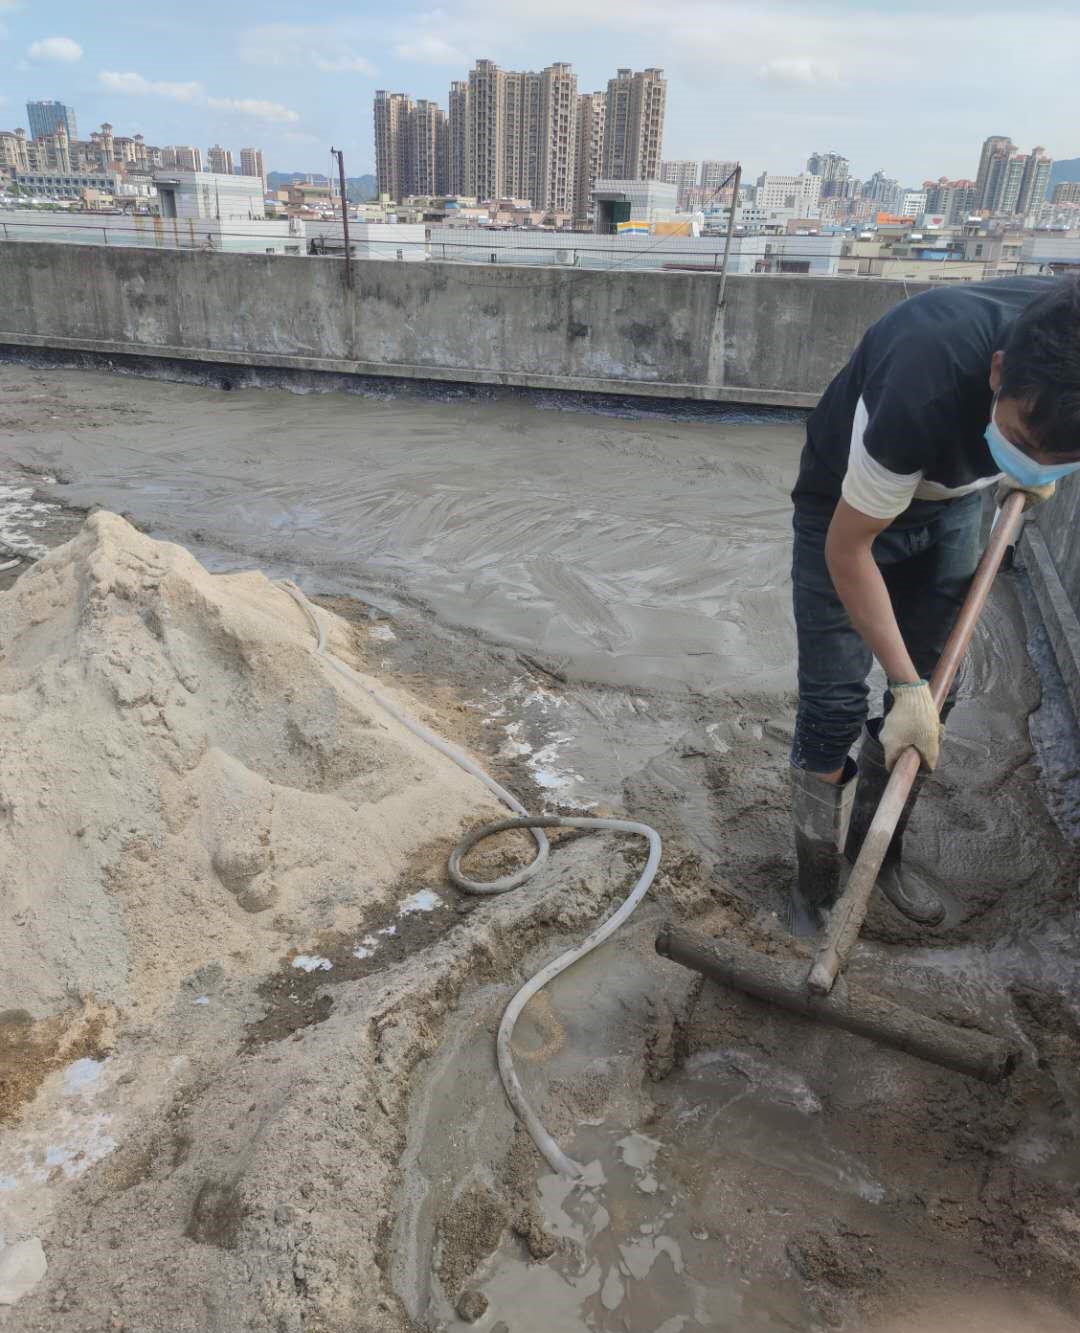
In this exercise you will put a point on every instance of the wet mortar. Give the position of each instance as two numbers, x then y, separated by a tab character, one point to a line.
758	1171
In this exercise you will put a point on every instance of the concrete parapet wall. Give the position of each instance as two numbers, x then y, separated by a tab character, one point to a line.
778	339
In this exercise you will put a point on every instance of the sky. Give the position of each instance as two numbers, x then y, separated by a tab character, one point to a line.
911	87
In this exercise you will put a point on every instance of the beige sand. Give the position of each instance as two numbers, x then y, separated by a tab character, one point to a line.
184	782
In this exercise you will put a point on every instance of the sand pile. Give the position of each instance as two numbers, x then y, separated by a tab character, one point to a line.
183	782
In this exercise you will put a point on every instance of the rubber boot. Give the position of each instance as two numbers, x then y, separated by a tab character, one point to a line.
820	812
917	901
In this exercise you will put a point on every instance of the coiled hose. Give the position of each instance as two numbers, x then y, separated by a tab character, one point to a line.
536	824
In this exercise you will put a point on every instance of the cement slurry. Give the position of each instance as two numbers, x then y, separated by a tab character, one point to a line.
643	553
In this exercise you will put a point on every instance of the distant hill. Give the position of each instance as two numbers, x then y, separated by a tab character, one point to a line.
1068	169
359	188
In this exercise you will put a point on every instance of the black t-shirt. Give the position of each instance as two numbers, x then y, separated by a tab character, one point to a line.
901	428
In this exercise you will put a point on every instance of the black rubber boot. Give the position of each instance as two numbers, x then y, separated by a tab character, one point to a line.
820	812
915	900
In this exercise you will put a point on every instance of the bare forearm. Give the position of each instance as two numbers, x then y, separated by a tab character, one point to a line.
862	590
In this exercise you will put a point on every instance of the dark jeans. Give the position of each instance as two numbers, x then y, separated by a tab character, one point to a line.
927	570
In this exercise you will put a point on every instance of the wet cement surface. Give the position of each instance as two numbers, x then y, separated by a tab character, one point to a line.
637	553
623	588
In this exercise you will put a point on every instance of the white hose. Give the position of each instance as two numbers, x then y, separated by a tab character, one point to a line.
536	824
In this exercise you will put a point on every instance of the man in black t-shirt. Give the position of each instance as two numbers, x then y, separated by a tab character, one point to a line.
951	392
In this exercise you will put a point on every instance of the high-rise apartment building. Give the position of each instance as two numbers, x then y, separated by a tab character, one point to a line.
183	157
800	195
954	201
252	163
485	140
989	179
634	129
425	152
913	204
683	175
46	118
885	192
714	173
220	160
1011	183
1035	182
520	139
1066	192
591	110
556	141
833	170
412	146
391	136
457	129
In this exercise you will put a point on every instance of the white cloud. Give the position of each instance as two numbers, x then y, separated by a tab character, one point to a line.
134	85
343	64
10	6
430	49
797	72
331	48
254	107
55	48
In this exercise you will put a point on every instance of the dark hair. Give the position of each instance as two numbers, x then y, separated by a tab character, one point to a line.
1042	367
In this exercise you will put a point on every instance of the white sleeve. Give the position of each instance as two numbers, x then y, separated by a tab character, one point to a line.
868	485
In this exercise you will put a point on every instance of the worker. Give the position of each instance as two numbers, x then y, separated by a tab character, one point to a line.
951	392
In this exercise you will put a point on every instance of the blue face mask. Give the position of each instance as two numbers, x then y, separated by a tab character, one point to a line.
1016	463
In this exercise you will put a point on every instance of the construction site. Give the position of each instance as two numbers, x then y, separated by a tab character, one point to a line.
285	617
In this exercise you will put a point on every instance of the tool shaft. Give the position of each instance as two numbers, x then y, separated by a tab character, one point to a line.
848	915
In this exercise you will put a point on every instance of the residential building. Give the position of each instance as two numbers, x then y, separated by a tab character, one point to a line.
252	163
1067	192
50	153
556	141
69	185
392	168
13	149
591	111
885	192
800	195
46	118
205	194
521	134
1035	182
183	157
996	151
425	150
833	170
457	169
634	129
953	201
913	204
485	138
683	175
219	160
714	174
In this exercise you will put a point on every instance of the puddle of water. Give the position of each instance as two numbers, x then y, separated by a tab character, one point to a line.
631	1258
309	962
424	900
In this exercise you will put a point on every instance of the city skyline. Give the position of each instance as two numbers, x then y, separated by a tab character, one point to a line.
765	85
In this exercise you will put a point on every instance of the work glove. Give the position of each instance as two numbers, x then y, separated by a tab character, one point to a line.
1036	495
912	720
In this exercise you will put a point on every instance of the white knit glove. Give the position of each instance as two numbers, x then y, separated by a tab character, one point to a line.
912	720
1035	495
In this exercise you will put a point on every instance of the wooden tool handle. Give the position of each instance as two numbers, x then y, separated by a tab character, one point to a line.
848	915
